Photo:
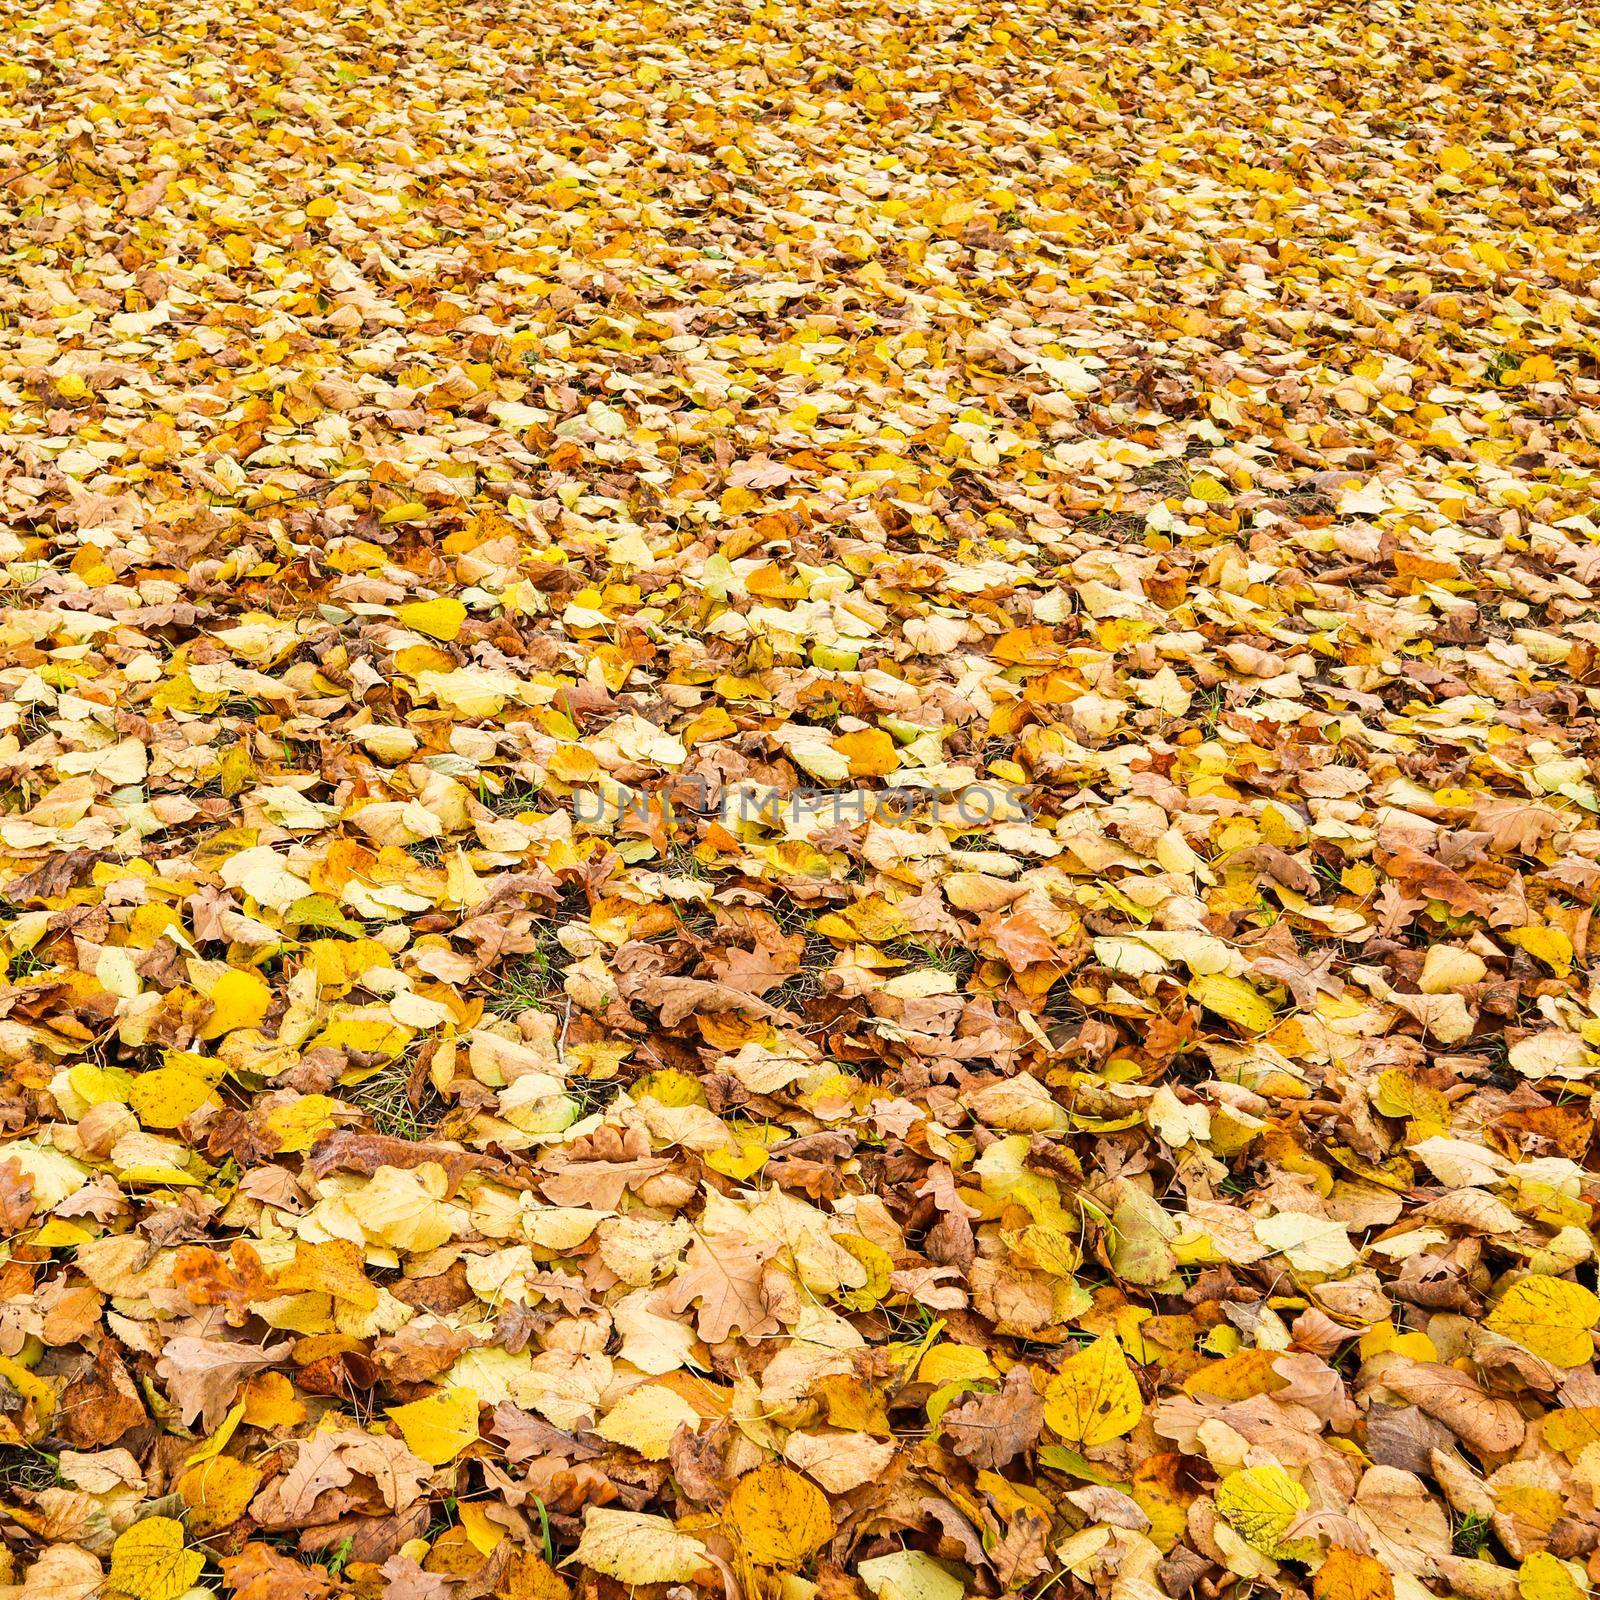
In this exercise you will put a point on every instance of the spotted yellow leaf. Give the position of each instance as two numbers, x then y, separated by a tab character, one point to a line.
780	1518
1094	1398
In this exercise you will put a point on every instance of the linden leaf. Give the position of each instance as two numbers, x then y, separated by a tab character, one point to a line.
401	1207
646	1419
910	1575
1350	1575
1234	999
1308	1243
870	752
1549	945
149	1561
217	1492
440	619
1544	1576
635	1548
1262	1504
1094	1398
240	999
166	1097
1552	1317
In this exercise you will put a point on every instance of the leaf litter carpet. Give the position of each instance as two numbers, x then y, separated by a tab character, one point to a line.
798	800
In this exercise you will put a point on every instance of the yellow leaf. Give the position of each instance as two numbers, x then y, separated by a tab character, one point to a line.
400	1207
670	1087
365	1030
1549	1316
439	1428
270	1402
1236	1377
1454	158
1547	1577
947	1362
95	1085
1398	1095
634	1548
1307	1243
298	1125
1234	999
1262	1503
30	1421
418	658
910	1575
218	1441
59	1234
778	1516
217	1492
1157	1489
645	1420
870	752
1549	945
149	1562
1094	1398
340	962
333	1267
483	1533
239	1000
1348	1575
165	1096
439	619
880	1268
236	769
741	1163
529	1577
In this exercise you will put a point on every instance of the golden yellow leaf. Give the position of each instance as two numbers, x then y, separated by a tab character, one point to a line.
1262	1503
1234	999
270	1402
440	1427
1352	1575
240	999
1549	945
645	1420
870	752
779	1517
217	1492
439	619
1552	1317
164	1097
1544	1576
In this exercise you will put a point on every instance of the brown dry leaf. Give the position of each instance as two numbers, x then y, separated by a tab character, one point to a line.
992	1430
204	1375
724	1282
1489	1426
258	1572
